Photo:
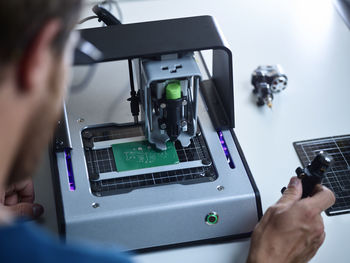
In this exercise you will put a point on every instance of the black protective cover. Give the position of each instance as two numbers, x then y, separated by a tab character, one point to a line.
152	39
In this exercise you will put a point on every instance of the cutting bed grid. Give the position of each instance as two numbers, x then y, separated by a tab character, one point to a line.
102	161
338	176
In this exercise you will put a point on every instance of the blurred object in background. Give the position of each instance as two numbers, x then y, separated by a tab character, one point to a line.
343	7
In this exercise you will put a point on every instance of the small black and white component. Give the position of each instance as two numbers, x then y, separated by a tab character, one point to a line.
268	80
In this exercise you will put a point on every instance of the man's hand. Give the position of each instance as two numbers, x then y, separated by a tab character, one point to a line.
18	199
292	230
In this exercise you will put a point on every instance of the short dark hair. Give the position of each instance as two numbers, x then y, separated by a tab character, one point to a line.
22	20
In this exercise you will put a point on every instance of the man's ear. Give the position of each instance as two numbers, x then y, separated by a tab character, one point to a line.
35	62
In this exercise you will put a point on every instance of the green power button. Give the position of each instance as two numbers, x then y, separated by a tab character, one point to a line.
212	218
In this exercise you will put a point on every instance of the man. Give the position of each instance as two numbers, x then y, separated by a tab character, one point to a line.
35	53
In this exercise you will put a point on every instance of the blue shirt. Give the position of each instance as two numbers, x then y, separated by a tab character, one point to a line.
27	243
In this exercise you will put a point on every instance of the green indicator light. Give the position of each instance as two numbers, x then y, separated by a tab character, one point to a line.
212	218
173	91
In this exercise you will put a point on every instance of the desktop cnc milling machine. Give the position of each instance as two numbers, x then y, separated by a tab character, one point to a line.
193	184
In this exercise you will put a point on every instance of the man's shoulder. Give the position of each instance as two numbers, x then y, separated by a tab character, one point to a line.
23	241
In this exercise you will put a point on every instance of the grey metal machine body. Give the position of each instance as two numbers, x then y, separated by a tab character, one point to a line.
220	203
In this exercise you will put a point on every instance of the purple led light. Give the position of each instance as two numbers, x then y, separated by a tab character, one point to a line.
71	181
226	151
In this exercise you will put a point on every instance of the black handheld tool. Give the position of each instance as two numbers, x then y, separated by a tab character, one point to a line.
313	173
105	16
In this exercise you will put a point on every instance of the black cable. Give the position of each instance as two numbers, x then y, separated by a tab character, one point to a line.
131	75
134	99
87	19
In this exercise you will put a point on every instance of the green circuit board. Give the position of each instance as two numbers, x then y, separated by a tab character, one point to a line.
138	155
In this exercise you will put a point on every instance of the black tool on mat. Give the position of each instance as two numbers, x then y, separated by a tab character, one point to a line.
337	178
313	173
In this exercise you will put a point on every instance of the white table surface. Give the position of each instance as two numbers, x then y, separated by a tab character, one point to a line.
311	42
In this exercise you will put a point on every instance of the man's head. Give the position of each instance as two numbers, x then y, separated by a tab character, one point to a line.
34	58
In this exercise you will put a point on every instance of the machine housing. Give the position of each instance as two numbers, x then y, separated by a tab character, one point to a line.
210	195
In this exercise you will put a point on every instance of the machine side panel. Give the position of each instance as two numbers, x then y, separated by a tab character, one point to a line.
168	225
57	192
250	176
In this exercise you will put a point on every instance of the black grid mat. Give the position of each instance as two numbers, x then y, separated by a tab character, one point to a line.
338	177
102	161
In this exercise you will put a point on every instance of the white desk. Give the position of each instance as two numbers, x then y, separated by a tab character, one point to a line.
312	43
